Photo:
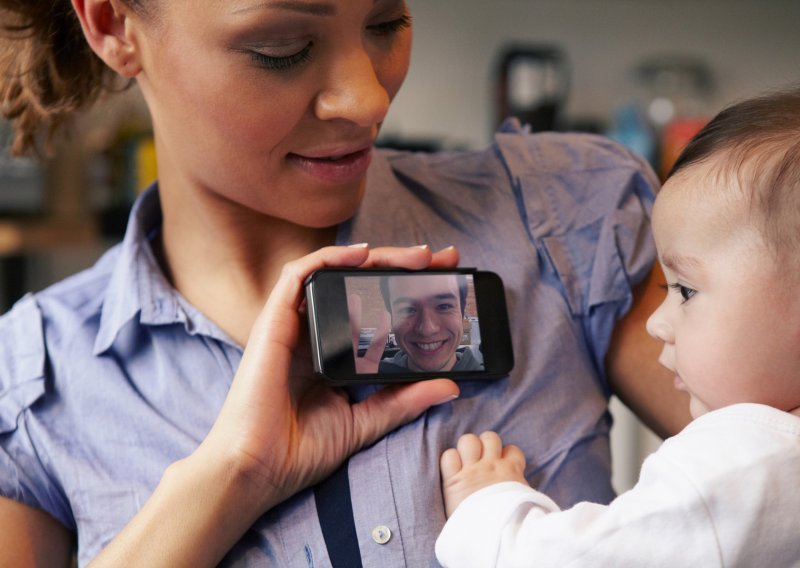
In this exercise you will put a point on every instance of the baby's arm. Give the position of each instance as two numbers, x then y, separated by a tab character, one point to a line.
475	463
494	520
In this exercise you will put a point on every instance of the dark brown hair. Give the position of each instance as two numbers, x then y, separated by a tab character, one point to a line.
47	69
759	139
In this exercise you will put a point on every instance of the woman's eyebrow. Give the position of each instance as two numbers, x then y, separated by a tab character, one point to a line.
313	8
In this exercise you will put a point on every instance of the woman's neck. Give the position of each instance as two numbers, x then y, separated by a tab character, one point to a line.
225	259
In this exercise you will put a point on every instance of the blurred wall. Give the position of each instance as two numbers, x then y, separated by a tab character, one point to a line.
749	44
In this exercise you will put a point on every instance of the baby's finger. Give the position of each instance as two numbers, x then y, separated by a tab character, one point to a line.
450	463
470	448
514	454
492	444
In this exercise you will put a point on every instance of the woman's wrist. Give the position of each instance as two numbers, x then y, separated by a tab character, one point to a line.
239	482
197	513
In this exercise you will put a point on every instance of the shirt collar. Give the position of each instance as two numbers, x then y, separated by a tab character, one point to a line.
137	285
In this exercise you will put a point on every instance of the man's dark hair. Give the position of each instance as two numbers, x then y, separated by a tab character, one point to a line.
461	280
759	141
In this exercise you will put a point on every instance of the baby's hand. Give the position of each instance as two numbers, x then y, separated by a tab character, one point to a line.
476	463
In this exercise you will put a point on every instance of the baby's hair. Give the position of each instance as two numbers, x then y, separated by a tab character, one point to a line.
759	141
47	69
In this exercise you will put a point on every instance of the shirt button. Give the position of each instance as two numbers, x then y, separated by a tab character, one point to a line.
381	534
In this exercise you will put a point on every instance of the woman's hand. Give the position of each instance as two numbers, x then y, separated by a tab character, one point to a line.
284	430
278	432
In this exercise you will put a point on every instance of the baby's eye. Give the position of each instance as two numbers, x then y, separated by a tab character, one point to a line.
685	292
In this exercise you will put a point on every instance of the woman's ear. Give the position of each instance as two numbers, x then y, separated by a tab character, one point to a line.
107	27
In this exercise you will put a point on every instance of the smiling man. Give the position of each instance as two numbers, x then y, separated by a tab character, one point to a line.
427	320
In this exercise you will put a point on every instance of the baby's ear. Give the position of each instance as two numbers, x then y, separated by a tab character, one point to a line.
108	30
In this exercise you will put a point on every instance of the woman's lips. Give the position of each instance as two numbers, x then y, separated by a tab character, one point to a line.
339	169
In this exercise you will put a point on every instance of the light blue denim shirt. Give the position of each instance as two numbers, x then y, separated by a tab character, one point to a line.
109	376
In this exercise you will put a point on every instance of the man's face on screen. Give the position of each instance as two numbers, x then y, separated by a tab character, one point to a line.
427	320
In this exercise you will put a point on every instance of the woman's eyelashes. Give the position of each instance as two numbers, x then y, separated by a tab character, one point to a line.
295	60
392	26
685	292
284	62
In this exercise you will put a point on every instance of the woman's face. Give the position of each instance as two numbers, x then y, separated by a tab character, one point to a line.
272	105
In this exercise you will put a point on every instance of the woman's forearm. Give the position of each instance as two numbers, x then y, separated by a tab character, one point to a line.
196	514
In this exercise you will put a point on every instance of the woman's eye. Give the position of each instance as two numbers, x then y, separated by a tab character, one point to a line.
392	26
685	292
284	62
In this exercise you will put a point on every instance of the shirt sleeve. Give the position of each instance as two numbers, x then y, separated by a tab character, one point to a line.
586	203
23	476
513	525
474	534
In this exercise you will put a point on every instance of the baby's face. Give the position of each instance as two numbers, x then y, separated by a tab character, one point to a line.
730	322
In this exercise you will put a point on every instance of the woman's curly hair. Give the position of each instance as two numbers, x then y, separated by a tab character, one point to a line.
47	69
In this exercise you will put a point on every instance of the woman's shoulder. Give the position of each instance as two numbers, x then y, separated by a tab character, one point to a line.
41	323
58	311
76	297
556	151
524	159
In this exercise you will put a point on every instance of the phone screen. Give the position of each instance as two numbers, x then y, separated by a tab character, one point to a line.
418	323
390	325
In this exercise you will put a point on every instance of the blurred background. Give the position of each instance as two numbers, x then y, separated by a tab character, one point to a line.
645	72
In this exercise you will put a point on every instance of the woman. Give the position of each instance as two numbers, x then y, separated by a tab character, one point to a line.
122	426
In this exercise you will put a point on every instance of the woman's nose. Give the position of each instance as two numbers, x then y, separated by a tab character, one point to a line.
353	92
658	326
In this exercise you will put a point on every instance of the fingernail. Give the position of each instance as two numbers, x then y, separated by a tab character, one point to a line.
451	247
423	247
359	245
447	399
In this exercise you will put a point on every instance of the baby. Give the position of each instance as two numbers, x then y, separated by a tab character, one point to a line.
723	492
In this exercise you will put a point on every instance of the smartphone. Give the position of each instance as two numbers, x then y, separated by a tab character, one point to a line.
385	325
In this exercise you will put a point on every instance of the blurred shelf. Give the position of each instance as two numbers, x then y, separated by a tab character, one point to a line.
23	236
